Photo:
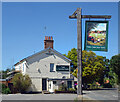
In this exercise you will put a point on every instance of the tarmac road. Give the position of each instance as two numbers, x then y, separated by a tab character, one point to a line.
104	94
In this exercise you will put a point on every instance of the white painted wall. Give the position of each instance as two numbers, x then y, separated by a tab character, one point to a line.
38	67
42	62
21	67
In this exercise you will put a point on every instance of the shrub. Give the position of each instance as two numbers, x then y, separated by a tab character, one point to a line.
21	82
5	89
94	85
108	83
71	89
62	87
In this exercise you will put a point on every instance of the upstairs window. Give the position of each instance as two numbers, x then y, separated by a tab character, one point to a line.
51	67
23	67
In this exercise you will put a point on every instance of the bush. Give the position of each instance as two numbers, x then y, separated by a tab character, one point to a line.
94	85
5	89
62	87
114	79
71	89
108	83
21	82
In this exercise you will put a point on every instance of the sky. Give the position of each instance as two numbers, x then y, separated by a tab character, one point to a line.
100	27
24	23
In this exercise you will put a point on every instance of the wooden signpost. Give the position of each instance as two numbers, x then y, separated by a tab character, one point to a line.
78	14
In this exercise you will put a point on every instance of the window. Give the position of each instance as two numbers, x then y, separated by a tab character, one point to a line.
69	84
54	82
23	67
51	67
19	68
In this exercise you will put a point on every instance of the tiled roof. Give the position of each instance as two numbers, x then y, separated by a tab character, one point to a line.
42	52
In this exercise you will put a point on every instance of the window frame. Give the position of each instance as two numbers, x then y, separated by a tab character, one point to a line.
52	67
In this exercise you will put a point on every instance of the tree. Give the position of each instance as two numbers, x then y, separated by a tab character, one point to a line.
73	56
92	65
115	65
4	73
21	82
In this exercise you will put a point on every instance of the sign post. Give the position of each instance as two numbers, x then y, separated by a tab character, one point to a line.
78	14
79	51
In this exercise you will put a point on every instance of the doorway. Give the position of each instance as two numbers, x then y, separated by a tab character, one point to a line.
44	84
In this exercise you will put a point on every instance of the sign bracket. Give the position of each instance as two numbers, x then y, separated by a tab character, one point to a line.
78	15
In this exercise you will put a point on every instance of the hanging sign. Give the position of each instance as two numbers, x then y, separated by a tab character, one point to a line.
96	35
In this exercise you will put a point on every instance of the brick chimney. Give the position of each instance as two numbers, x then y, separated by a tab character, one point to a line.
48	42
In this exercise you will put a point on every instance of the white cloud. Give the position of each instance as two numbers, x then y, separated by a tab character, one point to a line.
100	27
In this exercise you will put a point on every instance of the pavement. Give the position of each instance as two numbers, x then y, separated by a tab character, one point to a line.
104	94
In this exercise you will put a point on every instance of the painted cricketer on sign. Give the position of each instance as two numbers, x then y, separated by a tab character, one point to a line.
96	38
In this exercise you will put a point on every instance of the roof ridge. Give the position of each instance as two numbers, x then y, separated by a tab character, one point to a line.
41	52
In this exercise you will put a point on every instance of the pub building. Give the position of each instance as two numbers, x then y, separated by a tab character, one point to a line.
48	69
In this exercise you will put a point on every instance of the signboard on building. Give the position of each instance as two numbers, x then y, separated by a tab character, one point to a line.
62	68
96	35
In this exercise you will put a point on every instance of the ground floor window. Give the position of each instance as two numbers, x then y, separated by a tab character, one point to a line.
54	82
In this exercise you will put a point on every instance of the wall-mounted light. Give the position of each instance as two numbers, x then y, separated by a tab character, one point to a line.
38	70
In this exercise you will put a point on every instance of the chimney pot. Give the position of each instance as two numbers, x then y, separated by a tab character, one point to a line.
49	37
45	38
48	42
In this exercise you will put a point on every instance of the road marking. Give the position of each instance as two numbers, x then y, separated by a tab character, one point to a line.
115	96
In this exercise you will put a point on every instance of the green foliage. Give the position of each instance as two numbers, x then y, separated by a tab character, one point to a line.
113	78
73	56
4	73
21	82
62	87
71	89
92	64
5	89
95	67
93	86
115	64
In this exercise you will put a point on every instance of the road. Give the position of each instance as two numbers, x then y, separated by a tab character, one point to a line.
105	94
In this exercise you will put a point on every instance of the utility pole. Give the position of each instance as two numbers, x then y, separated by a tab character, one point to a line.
78	14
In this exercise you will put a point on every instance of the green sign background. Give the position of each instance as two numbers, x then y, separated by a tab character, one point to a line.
62	68
92	46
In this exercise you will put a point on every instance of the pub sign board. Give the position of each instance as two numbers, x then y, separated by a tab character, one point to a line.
62	68
96	35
